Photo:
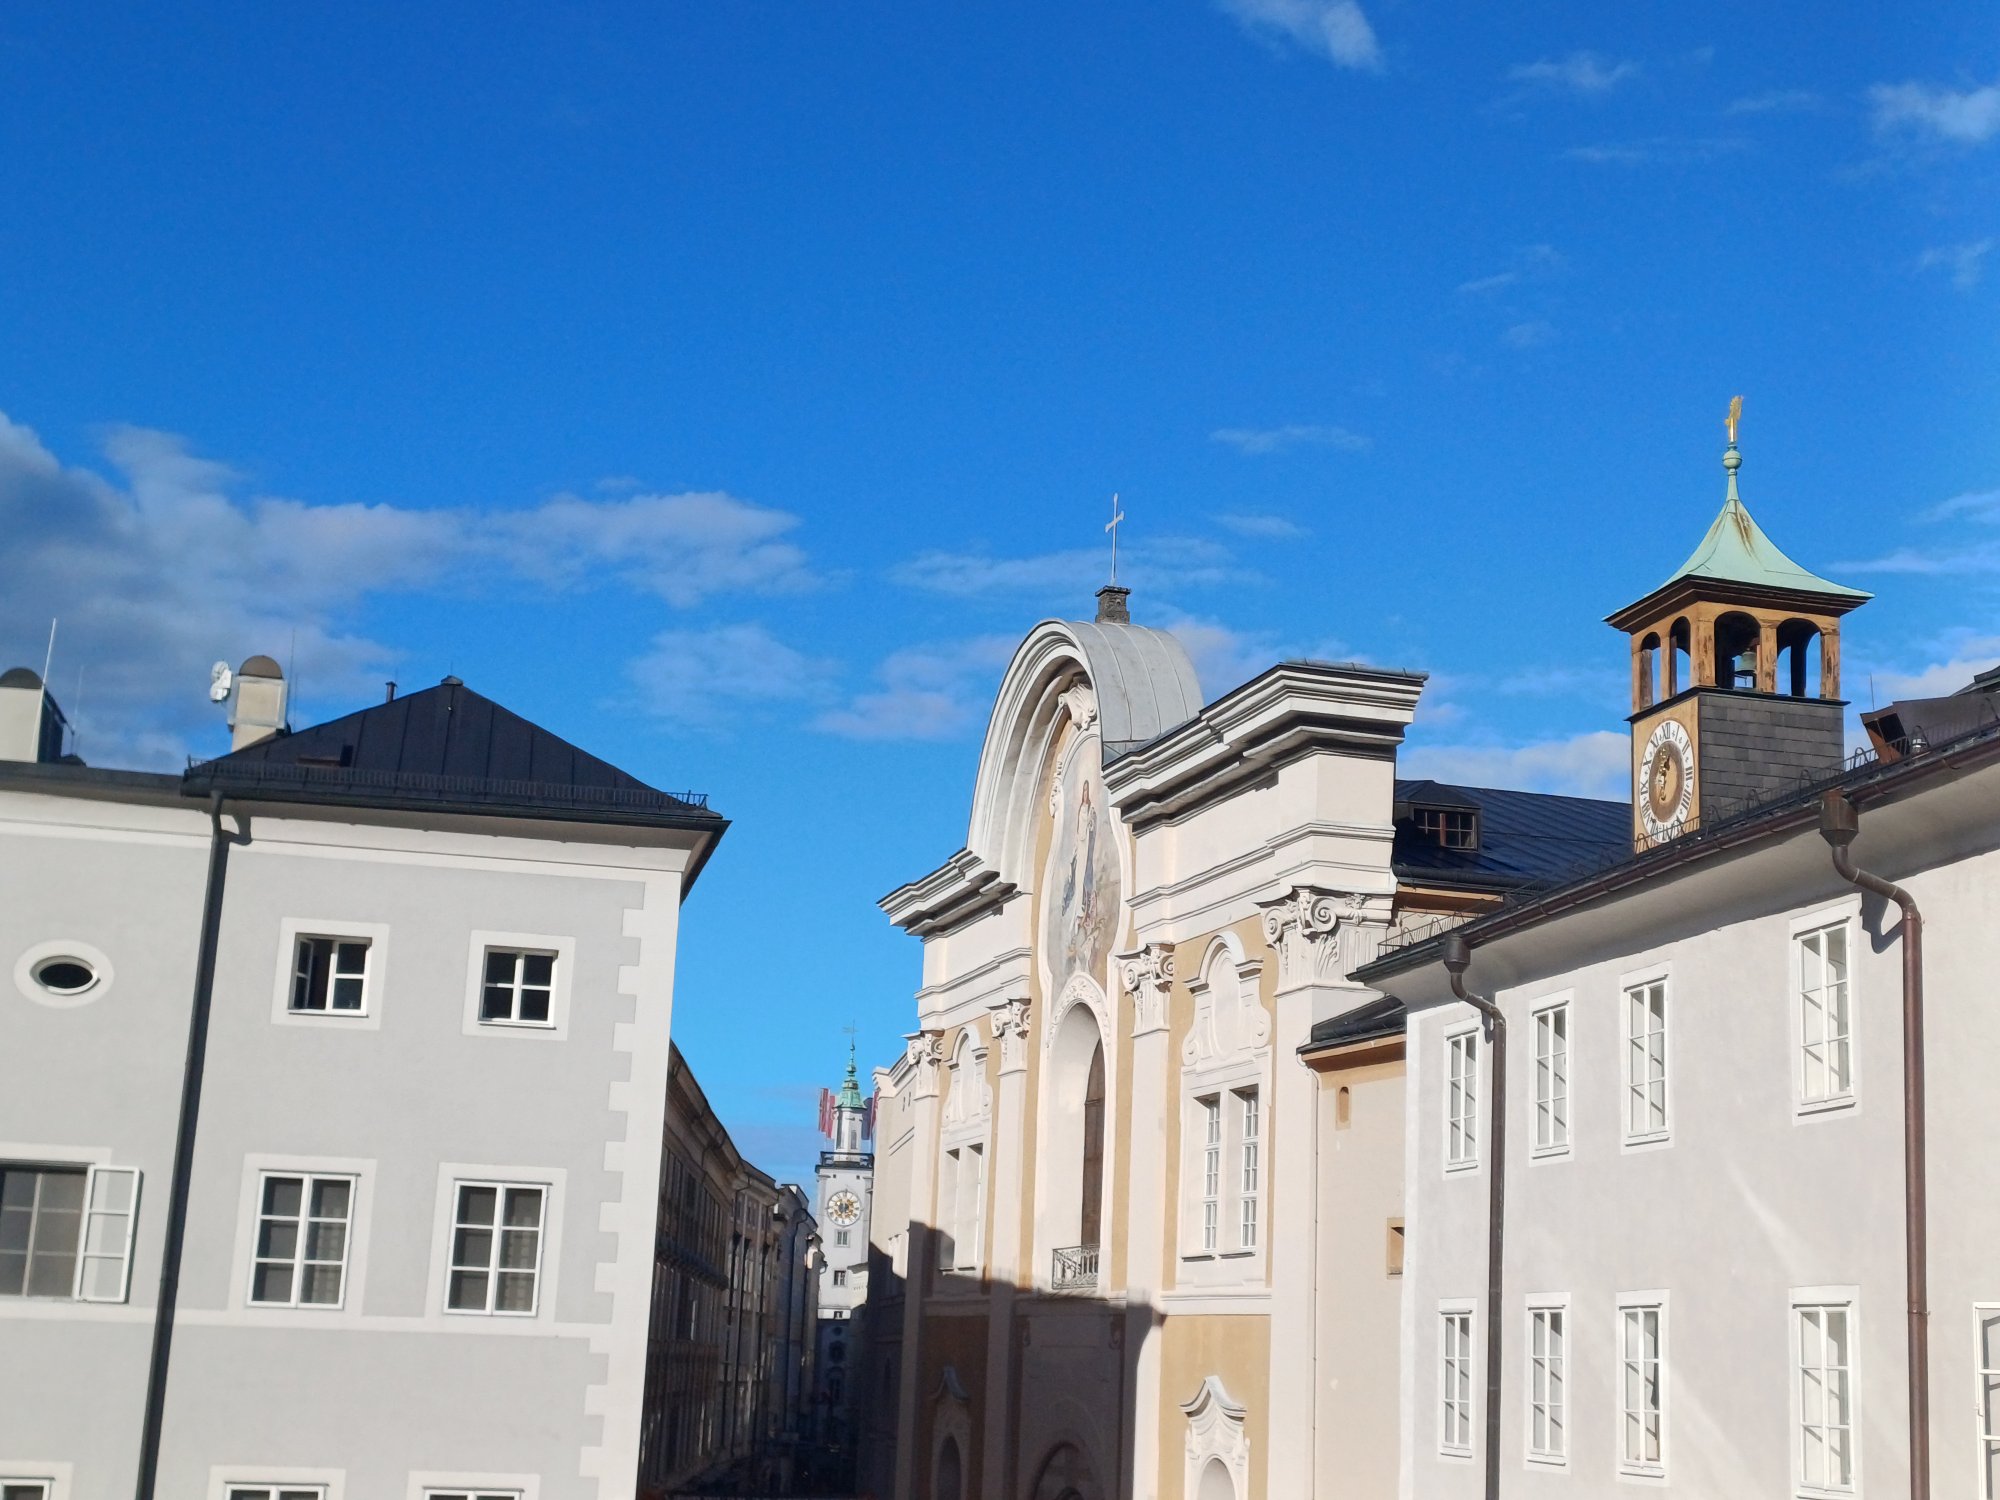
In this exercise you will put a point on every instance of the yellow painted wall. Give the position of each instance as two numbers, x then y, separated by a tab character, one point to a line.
1237	1351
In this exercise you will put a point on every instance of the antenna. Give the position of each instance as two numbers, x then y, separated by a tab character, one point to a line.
76	716
220	681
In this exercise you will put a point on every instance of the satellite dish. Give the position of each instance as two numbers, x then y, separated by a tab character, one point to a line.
220	679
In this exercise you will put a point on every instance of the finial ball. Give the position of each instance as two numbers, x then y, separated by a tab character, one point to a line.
1732	460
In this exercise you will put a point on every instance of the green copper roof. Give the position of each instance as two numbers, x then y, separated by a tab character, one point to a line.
1736	550
850	1090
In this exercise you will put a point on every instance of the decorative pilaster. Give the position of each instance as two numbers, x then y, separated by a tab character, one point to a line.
1148	974
1009	1024
1302	928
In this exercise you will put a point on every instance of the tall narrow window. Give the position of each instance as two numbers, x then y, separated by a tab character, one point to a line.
1642	1442
1646	1061
41	1226
1211	1170
302	1231
947	1212
1552	1079
496	1248
1826	1399
1248	1194
330	975
1092	1218
1547	1416
1986	1363
1455	1411
1461	1102
1826	1068
517	988
971	1206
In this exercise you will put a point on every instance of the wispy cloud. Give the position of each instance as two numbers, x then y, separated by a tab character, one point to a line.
1530	262
1261	440
1959	557
934	692
1265	528
1595	764
1948	664
1336	30
1581	73
1226	657
1664	150
1962	116
1529	335
706	680
1068	579
1774	102
1980	505
1964	261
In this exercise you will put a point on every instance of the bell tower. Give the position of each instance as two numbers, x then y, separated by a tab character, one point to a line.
1735	674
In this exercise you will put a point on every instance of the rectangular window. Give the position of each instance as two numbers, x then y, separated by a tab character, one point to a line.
1461	1100
1455	1413
302	1233
1642	1442
496	1248
1552	1079
1393	1252
277	1492
330	976
1986	1363
947	1215
41	1227
971	1205
840	1236
1547	1403
25	1489
1211	1170
1826	1058
518	988
1826	1399
472	1495
1646	1061
840	1278
1246	1235
1449	827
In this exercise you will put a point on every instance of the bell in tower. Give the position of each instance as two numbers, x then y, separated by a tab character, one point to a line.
1735	675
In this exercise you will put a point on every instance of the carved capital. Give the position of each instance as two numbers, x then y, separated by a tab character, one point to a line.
925	1050
1080	703
1148	973
1010	1024
1303	930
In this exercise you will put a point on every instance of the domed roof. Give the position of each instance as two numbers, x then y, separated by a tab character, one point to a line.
261	666
20	677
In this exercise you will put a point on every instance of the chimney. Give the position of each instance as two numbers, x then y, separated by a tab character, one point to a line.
258	709
1111	608
31	726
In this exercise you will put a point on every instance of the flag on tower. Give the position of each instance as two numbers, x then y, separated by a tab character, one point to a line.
868	1119
826	1113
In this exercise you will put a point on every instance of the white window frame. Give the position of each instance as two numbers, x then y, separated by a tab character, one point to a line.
308	1182
1208	1142
434	1484
1640	1303
1647	1138
1226	1053
373	984
52	1475
1558	1144
1463	1129
1985	1407
1459	1315
1846	915
557	1027
98	1238
501	1188
1247	1109
1823	1299
1541	1306
328	1484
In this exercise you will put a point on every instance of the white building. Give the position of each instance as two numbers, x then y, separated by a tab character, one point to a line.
846	1204
1706	1272
331	1107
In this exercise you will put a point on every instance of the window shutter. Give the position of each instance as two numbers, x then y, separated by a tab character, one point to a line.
111	1210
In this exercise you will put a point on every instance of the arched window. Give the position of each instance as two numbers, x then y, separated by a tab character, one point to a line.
1798	642
1736	646
1680	657
1216	1483
1093	1150
1646	686
950	1482
1343	1107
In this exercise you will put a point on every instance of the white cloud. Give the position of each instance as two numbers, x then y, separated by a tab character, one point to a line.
707	679
1983	557
1529	335
1262	440
1491	283
1268	528
1594	764
1965	261
936	692
1225	657
1981	505
1962	116
1530	262
1953	661
1337	30
1774	102
1070	579
1578	73
169	566
1654	150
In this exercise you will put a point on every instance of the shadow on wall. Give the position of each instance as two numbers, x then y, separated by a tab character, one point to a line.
1038	1382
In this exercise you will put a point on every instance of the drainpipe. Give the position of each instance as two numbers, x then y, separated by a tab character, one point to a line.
1457	956
177	1193
1838	824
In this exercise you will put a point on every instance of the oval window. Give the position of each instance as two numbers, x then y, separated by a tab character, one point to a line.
65	976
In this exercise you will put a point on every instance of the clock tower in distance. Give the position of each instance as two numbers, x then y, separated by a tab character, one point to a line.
846	1194
1735	676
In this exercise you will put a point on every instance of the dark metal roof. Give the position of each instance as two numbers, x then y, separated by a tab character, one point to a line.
1913	723
1381	1017
1524	837
445	748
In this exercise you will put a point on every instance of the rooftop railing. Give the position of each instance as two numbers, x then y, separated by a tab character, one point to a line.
1074	1270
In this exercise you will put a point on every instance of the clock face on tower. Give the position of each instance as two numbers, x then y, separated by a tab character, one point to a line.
844	1208
1666	787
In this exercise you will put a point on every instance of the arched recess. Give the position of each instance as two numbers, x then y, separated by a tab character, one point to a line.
1646	687
1080	1064
1799	659
1217	1446
951	1436
1067	1474
1680	657
1736	647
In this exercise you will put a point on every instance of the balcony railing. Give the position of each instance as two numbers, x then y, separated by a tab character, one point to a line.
1075	1269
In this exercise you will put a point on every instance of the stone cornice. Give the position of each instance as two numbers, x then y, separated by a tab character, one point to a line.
960	889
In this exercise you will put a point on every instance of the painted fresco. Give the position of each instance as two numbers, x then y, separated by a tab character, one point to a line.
1081	883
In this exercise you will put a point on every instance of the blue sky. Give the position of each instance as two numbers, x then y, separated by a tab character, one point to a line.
728	387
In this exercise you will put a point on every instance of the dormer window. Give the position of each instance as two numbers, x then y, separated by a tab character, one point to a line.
1449	827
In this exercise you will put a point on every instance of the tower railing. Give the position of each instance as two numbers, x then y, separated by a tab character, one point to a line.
1074	1269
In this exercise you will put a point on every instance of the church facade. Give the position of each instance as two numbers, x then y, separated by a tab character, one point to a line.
1139	1185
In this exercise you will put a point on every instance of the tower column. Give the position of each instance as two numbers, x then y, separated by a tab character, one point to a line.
1767	656
1829	662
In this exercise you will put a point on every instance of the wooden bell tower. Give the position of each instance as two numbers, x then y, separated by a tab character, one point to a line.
1735	675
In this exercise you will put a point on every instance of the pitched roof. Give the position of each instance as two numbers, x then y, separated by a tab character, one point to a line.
445	748
1370	1021
1736	550
1524	837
